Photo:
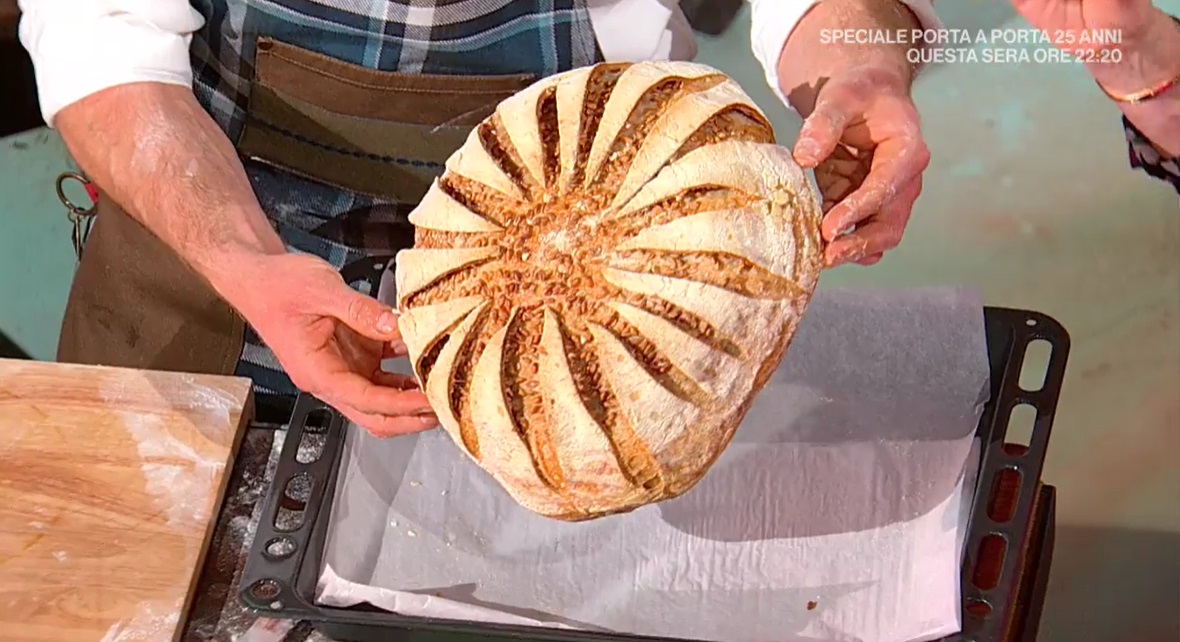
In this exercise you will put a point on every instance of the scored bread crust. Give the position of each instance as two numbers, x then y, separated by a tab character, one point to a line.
606	274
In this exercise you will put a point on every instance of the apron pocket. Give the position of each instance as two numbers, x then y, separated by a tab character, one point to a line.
384	134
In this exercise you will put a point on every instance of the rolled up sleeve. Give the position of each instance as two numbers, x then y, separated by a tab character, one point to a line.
772	22
80	47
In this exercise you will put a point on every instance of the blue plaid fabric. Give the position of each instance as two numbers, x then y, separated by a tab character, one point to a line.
541	37
491	37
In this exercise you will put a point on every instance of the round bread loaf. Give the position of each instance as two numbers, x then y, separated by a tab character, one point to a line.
607	272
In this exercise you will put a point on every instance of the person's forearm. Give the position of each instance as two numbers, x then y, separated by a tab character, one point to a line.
1147	61
154	150
810	56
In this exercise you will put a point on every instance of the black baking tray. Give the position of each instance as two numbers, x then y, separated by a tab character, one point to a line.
284	563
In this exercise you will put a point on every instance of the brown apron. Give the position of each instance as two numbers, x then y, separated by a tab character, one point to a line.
133	302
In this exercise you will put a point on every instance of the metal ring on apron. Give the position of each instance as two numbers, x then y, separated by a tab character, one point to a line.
86	184
80	217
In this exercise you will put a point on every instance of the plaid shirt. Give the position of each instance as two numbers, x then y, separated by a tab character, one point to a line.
542	37
489	37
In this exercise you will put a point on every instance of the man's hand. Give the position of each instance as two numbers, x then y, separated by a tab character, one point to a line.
1066	22
1147	54
861	131
331	340
865	145
158	154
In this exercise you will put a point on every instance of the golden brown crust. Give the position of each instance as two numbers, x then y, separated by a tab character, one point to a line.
603	279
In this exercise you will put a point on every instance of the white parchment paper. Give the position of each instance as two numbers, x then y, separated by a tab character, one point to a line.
838	513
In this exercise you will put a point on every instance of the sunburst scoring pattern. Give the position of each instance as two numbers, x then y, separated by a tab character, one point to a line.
603	278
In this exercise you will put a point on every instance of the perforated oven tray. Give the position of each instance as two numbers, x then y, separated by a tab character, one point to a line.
1003	572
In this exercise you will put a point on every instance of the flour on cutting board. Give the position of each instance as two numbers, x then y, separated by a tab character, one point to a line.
202	399
212	400
177	476
151	623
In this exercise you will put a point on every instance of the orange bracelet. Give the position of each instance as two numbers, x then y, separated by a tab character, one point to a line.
1142	94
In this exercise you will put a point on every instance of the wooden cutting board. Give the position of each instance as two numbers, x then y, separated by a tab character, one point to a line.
110	482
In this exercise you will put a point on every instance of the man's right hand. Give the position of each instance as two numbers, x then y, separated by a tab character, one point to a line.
330	340
153	149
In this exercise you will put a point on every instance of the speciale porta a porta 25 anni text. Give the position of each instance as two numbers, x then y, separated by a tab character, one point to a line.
1010	36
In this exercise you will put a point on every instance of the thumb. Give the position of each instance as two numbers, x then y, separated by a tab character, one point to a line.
365	315
823	129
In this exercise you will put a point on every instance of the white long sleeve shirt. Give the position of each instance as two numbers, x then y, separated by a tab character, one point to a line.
80	47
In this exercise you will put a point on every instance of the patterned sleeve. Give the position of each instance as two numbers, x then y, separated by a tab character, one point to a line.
1143	155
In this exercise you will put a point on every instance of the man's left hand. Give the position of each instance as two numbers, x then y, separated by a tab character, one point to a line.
860	132
864	142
